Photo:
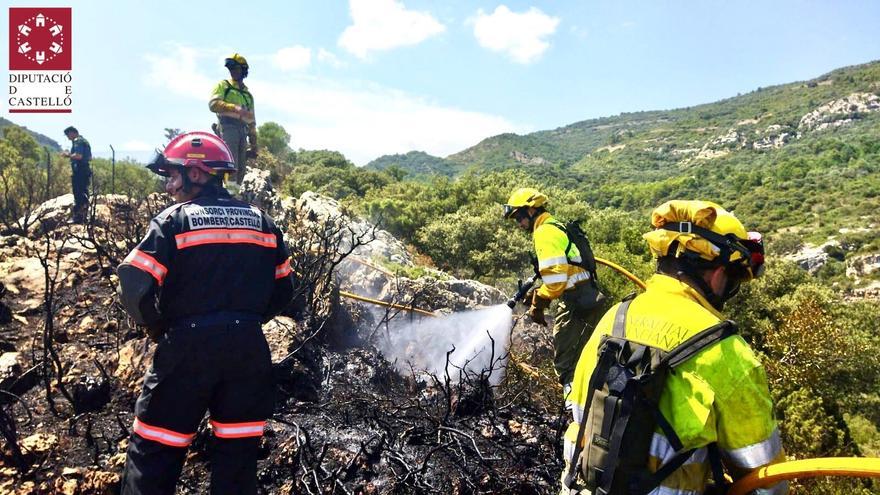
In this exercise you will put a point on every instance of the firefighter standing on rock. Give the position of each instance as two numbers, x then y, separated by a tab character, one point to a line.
210	270
233	103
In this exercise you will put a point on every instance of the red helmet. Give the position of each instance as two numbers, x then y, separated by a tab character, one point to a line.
201	150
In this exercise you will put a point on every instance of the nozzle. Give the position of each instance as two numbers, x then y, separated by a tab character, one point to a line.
522	289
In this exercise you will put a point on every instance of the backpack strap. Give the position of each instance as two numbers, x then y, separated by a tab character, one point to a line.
246	94
584	263
565	231
675	357
603	364
721	484
698	342
619	328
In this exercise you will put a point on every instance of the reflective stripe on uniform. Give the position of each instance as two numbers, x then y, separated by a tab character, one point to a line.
577	411
238	430
662	449
567	449
147	263
162	435
283	269
556	260
757	454
577	277
224	236
554	279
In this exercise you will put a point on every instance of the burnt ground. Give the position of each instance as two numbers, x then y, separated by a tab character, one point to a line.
345	420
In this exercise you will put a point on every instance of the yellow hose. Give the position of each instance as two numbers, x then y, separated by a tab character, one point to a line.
623	271
857	467
385	303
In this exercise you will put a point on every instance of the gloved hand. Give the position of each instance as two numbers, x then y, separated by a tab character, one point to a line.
530	295
536	311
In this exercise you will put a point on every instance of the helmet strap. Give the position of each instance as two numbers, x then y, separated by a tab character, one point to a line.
538	212
689	269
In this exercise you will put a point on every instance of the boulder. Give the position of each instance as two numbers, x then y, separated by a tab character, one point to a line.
812	258
11	366
860	266
256	188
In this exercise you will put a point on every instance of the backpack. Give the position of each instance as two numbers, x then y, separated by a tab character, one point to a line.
622	413
578	237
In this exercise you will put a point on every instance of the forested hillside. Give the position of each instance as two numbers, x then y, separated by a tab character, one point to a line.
416	164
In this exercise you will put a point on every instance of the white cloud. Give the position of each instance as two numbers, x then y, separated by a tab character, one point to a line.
178	73
521	36
329	58
379	25
291	58
362	120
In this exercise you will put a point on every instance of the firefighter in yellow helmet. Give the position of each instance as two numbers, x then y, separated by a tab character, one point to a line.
559	264
716	402
233	103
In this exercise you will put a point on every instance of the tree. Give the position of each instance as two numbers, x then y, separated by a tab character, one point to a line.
274	138
171	133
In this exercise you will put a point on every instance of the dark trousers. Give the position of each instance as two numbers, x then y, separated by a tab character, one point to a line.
79	181
234	134
224	369
578	312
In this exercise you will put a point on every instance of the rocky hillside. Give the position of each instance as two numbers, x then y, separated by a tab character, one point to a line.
347	420
763	119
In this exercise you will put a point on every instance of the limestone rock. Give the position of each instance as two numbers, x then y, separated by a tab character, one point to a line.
134	359
39	443
774	136
859	266
256	188
812	258
839	112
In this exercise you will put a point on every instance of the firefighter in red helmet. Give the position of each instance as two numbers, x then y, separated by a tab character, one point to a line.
209	272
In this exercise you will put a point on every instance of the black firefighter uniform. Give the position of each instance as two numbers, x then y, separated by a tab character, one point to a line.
205	277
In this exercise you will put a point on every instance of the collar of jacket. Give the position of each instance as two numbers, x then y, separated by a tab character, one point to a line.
672	285
543	217
236	85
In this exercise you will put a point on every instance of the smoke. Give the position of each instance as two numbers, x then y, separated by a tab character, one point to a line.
424	343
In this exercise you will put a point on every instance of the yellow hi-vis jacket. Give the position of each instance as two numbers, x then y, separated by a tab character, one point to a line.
557	274
228	94
720	395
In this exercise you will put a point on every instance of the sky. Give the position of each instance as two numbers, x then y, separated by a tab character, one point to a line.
375	77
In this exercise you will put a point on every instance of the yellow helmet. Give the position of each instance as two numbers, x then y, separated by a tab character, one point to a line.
235	59
708	231
523	198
